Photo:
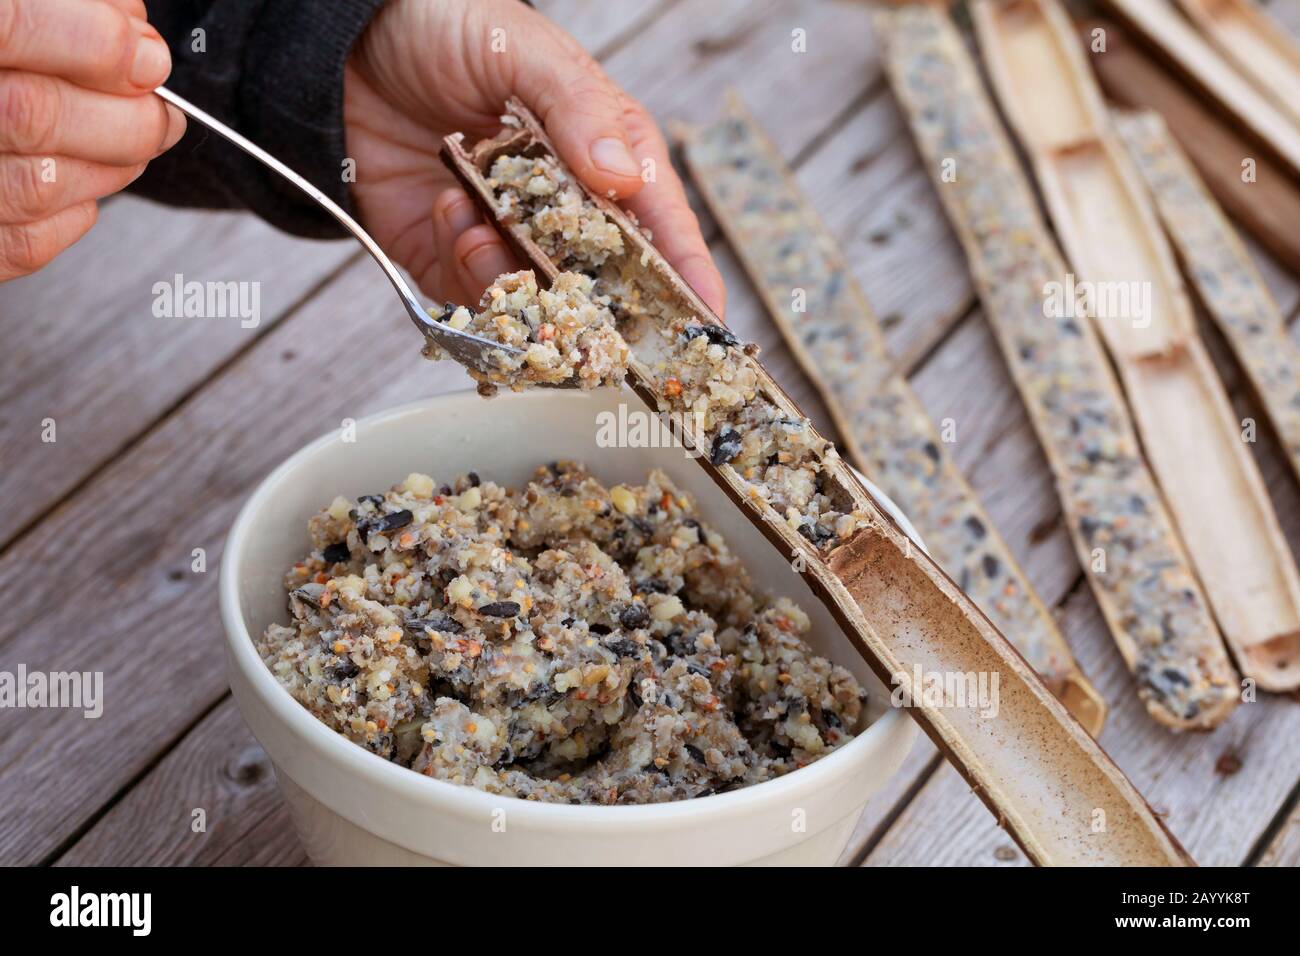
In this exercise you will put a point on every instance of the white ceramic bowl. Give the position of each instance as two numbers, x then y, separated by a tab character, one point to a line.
352	807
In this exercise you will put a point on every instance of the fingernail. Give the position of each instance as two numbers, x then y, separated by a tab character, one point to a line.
151	63
613	156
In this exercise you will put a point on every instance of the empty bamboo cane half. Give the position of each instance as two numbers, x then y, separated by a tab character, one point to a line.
1253	187
1114	240
1032	764
813	299
1194	56
1122	532
1259	49
1222	273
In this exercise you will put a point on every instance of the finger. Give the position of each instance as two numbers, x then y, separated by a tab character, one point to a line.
453	214
582	110
89	42
663	209
480	256
46	116
33	187
27	248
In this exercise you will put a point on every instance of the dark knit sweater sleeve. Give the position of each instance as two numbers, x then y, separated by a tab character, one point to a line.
273	70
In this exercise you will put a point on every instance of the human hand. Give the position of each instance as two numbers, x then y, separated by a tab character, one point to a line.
426	68
77	121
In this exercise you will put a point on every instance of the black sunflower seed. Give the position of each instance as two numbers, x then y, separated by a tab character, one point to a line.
816	532
336	552
695	752
726	445
435	622
500	609
624	647
634	616
385	523
398	519
680	643
716	334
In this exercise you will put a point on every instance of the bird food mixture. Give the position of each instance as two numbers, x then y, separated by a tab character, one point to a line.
698	369
563	641
562	333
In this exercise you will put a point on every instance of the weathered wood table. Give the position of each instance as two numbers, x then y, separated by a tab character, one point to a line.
163	426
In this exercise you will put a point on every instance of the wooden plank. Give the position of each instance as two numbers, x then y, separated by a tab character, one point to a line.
91	355
1267	204
597	24
1286	14
140	615
218	769
272	842
715	44
1113	239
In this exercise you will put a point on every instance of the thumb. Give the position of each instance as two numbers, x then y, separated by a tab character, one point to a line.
583	112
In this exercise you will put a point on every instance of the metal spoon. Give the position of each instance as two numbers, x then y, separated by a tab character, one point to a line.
472	351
